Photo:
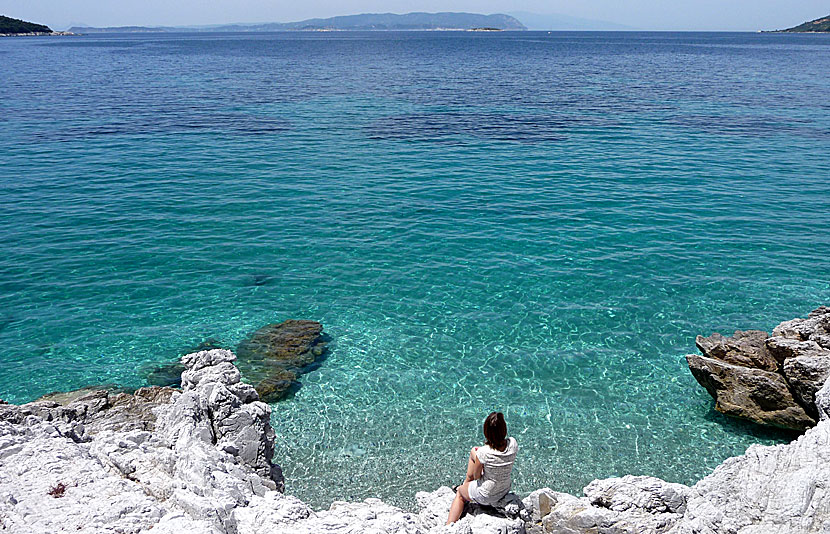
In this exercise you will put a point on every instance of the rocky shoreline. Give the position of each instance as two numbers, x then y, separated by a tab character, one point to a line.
36	34
200	459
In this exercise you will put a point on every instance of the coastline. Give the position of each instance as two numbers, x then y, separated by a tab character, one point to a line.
39	34
201	459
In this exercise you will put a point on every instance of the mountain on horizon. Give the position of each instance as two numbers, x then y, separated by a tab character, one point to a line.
558	22
362	22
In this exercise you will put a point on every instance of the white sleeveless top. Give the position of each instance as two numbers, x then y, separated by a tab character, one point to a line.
495	479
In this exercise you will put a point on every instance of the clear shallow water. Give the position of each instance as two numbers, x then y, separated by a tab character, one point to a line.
530	222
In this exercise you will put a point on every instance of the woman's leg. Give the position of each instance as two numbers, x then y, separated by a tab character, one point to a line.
457	507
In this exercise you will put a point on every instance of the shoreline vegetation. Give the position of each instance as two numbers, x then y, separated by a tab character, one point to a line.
819	25
10	27
200	458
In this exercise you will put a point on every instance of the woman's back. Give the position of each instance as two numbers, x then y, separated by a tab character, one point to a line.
498	465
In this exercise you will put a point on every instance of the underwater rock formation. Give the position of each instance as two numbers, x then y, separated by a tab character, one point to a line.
771	380
272	358
275	355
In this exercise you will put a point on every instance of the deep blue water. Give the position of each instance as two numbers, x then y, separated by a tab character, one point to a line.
539	223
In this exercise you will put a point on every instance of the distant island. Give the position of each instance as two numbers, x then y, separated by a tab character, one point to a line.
821	25
362	22
10	26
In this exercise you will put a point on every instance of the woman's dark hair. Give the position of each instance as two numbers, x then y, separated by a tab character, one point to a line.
495	431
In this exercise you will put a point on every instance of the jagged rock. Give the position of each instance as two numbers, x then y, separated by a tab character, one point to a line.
170	374
157	458
275	355
647	494
627	505
806	375
760	396
784	349
780	488
823	401
90	411
816	327
508	516
234	419
745	348
769	380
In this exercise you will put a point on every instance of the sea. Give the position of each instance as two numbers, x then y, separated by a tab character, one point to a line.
530	222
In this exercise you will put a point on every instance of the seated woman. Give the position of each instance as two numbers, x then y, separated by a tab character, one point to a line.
489	468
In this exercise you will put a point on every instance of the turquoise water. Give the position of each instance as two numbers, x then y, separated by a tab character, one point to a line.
534	223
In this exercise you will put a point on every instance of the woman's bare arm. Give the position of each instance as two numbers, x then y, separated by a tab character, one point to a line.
474	466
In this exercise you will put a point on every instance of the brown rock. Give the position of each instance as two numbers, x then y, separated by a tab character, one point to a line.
275	355
782	348
754	394
745	348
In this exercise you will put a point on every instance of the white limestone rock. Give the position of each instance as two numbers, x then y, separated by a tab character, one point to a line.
823	402
435	507
638	493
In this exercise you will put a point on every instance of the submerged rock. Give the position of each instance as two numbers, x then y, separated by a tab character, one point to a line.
771	380
272	358
276	354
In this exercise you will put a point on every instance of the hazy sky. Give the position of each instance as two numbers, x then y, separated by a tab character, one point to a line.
642	14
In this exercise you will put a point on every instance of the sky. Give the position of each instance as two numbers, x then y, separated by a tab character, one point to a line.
713	15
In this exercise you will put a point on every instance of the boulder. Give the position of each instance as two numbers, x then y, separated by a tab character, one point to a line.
639	493
744	348
760	396
275	355
771	380
654	508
